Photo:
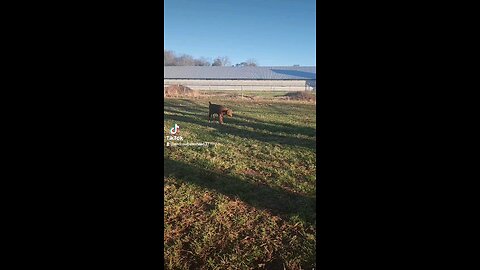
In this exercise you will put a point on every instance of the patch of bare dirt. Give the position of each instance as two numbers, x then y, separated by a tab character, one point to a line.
251	173
240	96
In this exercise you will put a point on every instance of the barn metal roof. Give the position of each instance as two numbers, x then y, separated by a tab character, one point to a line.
240	73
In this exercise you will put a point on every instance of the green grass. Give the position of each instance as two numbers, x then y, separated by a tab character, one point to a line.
249	201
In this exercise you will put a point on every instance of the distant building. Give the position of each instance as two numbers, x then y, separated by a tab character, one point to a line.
293	78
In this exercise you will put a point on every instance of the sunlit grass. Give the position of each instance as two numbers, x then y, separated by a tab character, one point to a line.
249	201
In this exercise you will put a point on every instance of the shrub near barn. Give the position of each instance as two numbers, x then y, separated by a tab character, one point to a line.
179	91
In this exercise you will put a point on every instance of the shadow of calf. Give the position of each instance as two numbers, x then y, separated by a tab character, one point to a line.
276	201
256	135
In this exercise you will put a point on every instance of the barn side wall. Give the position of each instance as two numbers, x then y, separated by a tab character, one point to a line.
245	85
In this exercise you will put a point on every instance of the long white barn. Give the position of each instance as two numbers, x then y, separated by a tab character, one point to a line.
242	78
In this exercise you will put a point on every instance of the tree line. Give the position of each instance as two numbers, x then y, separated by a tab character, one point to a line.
170	58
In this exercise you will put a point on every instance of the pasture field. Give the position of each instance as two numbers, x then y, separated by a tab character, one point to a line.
247	202
260	94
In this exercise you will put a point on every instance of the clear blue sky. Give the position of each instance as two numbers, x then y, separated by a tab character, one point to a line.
274	32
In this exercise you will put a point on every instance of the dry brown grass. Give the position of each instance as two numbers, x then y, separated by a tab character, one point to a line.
302	95
180	91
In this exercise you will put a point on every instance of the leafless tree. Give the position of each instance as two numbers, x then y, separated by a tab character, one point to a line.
168	58
171	59
202	62
221	61
185	60
251	62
